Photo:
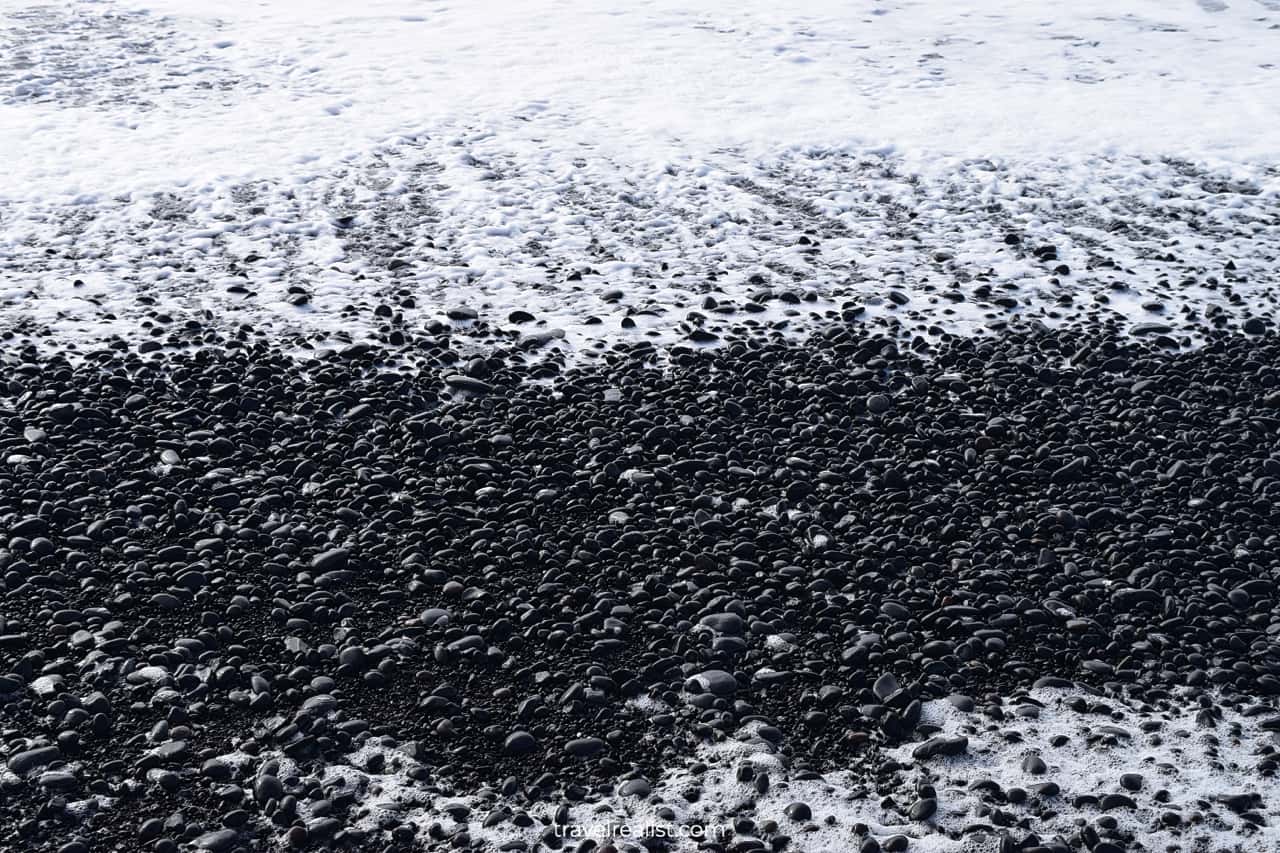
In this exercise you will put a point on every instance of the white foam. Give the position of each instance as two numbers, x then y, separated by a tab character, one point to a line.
540	155
1193	762
274	88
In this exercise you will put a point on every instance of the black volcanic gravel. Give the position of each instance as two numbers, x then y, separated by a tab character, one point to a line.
232	548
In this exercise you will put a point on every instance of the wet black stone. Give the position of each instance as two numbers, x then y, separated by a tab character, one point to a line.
878	404
217	841
799	812
520	743
635	788
467	383
585	747
1116	801
941	746
923	809
30	759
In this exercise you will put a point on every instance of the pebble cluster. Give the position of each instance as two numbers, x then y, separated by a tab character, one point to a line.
226	571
